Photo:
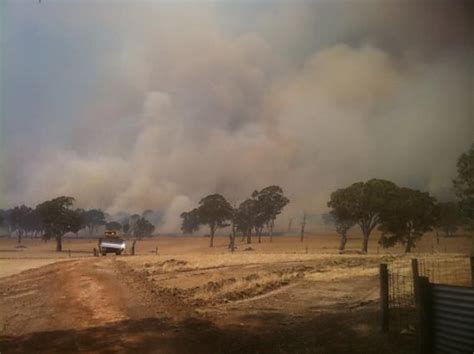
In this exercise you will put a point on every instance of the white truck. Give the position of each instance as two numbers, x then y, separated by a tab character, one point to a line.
111	243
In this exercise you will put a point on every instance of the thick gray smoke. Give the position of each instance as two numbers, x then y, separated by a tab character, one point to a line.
189	100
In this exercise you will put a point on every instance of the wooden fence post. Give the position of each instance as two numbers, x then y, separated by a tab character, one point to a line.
133	247
423	314
415	274
472	268
384	308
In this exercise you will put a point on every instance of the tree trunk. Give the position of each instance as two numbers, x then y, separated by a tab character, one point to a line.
408	245
20	234
259	234
271	230
342	245
232	240
303	224
59	243
213	230
365	243
249	236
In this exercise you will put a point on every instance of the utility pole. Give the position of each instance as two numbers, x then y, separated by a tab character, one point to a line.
289	225
303	224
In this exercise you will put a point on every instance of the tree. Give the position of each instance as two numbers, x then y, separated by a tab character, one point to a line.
303	226
447	217
245	218
113	226
19	218
214	210
58	218
143	228
270	203
464	185
33	223
126	226
92	219
234	229
190	221
364	202
408	216
342	221
132	221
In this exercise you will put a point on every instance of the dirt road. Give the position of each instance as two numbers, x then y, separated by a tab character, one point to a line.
102	305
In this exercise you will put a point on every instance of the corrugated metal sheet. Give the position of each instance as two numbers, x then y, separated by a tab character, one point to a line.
453	319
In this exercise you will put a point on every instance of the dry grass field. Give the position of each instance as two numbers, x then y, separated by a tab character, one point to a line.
176	295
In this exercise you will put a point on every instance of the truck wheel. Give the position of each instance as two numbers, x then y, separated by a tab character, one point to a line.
118	253
104	253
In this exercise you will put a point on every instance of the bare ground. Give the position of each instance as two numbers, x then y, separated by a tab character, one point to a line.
189	305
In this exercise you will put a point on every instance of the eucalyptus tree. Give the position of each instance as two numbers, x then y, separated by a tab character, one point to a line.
215	211
342	221
407	217
464	185
364	202
190	221
270	202
58	218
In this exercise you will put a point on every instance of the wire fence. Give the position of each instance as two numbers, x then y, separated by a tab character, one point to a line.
401	297
454	270
449	271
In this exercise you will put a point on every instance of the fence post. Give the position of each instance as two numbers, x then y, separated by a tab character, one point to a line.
384	309
133	247
423	314
472	268
415	274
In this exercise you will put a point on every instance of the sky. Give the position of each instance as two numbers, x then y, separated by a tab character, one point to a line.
135	105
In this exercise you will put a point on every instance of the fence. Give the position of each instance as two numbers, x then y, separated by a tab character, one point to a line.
397	287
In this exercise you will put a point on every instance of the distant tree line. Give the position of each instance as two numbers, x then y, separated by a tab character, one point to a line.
251	216
403	215
54	218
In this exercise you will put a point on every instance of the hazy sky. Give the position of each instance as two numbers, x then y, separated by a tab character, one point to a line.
133	105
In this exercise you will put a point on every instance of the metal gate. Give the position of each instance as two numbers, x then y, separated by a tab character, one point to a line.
452	318
445	317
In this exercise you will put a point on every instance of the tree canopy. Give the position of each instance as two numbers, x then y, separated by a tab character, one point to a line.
93	218
270	202
447	217
407	216
364	202
190	221
143	227
214	210
464	185
58	218
113	226
245	217
20	220
342	220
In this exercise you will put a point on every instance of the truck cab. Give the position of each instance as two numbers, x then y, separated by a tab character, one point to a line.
111	243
